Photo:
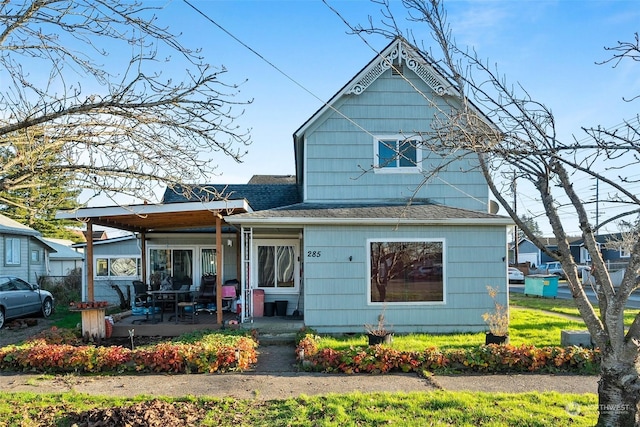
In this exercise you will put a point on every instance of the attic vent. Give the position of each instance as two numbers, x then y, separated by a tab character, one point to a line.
396	70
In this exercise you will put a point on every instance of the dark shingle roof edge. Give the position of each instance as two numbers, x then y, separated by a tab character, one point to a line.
307	213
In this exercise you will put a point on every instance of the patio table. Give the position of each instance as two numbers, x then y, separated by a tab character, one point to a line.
156	296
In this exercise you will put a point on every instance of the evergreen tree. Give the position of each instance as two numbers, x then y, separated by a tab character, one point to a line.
34	203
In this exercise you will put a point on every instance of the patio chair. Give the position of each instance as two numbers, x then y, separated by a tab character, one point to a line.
141	300
206	299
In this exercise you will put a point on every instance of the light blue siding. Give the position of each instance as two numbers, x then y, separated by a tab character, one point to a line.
335	294
339	150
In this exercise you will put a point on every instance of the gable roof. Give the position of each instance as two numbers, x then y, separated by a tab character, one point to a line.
63	252
259	196
398	50
10	226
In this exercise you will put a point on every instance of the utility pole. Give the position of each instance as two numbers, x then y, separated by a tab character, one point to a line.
515	228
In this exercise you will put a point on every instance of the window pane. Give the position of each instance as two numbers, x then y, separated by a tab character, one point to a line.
102	267
124	267
182	266
266	264
387	154
406	271
12	251
408	154
286	266
160	262
208	261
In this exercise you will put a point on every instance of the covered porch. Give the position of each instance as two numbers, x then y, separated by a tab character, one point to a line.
165	224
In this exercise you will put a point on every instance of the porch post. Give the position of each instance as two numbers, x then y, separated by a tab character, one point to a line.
219	267
89	258
143	257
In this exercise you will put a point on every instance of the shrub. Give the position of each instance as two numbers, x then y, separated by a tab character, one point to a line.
57	352
485	358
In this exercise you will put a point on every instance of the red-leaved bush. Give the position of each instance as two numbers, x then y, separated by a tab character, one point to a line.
50	353
486	358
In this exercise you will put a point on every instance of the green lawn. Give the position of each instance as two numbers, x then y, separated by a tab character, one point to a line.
560	306
438	408
527	326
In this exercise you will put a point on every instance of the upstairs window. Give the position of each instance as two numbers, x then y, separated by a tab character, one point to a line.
396	153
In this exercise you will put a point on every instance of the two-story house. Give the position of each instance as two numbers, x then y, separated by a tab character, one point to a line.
359	231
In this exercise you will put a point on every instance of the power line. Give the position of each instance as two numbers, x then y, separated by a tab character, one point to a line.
326	104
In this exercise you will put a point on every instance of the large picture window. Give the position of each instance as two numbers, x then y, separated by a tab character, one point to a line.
406	271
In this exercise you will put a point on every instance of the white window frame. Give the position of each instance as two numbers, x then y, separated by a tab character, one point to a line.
407	240
138	259
12	251
398	138
296	273
36	256
624	253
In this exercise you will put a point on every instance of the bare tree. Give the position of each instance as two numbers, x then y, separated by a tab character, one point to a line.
123	105
512	135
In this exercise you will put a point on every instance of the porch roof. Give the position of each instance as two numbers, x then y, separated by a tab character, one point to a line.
369	213
158	217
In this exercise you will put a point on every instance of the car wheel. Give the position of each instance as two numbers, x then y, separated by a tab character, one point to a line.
47	307
1	318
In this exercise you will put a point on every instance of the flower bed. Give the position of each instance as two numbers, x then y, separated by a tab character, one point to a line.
59	352
483	359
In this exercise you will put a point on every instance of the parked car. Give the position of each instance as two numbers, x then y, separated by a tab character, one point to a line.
19	298
515	275
555	268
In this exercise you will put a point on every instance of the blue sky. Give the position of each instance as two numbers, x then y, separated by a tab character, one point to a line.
550	47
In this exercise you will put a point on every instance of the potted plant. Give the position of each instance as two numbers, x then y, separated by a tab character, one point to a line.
379	333
498	321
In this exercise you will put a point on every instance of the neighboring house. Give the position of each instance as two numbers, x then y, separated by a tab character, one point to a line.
614	252
338	244
25	254
65	259
528	252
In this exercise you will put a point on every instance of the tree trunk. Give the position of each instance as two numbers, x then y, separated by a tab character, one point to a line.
618	402
382	289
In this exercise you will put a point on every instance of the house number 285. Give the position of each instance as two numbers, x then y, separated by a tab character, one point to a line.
314	254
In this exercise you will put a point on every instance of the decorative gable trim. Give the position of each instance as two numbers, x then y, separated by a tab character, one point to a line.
413	61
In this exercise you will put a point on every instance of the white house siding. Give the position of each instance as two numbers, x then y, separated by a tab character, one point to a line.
26	270
335	294
337	150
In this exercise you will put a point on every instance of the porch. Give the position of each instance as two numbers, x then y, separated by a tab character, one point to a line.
277	326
